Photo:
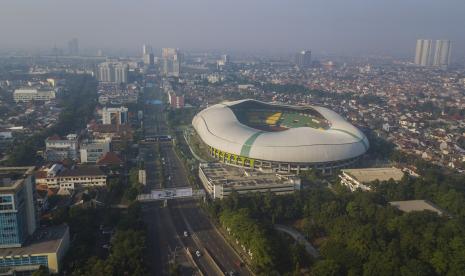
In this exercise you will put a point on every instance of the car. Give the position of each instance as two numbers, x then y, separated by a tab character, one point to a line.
198	254
106	246
231	273
186	234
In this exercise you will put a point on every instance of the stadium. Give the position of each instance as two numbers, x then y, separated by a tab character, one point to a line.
279	138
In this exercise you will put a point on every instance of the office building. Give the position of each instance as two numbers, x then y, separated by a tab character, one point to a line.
220	180
362	178
172	59
147	55
113	72
442	53
423	52
148	59
303	59
59	149
92	150
115	115
145	49
32	94
73	47
24	247
46	247
18	216
225	58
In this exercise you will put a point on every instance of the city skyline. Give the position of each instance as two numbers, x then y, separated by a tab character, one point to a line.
362	27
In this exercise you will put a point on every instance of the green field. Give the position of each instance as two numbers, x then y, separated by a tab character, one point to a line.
273	118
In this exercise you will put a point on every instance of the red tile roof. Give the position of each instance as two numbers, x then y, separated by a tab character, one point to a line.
110	158
41	174
54	137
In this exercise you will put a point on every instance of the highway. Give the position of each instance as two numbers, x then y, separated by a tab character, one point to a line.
167	222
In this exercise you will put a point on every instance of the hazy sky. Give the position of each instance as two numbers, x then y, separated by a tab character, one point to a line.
334	26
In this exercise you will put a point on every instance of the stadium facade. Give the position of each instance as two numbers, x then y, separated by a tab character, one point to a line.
279	138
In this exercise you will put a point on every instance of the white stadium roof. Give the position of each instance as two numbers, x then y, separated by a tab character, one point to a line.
219	128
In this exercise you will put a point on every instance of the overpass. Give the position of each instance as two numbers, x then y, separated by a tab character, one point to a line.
170	193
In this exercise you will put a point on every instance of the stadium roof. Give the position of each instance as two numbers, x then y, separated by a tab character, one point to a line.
219	127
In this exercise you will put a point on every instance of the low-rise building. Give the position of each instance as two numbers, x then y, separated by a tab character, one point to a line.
57	177
115	115
59	149
32	94
220	180
417	205
92	150
113	132
361	178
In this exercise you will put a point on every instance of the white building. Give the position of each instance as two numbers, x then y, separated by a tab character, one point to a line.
56	177
423	52
114	115
220	180
442	53
59	149
303	59
172	59
32	94
92	150
241	133
361	178
116	72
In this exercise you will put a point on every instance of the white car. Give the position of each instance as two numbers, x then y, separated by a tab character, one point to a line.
186	234
198	254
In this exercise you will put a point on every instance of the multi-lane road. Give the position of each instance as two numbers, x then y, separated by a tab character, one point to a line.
167	222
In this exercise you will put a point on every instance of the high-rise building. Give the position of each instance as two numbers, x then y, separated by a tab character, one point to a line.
172	59
18	214
116	72
423	52
148	59
121	73
73	47
147	55
24	247
303	59
442	53
145	49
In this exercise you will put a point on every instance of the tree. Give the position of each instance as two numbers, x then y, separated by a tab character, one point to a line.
127	253
326	268
42	271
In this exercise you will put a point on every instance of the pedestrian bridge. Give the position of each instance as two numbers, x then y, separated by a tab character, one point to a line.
170	193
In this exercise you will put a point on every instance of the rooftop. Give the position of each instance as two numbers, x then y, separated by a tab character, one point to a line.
416	205
110	158
82	171
372	174
11	177
219	174
44	240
